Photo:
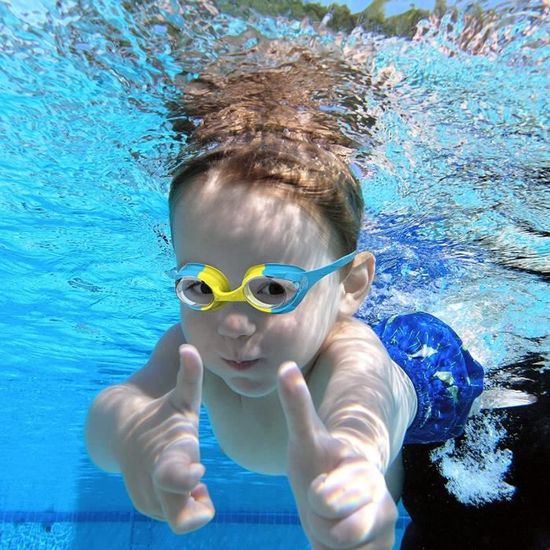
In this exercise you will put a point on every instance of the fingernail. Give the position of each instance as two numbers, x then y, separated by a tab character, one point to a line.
197	469
290	365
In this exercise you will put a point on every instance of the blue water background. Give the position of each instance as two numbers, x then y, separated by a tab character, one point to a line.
455	183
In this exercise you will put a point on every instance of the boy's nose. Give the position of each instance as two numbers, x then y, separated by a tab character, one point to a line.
235	321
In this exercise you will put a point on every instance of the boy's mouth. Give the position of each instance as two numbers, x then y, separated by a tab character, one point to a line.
240	365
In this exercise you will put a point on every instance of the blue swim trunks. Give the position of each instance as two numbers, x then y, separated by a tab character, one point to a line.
445	376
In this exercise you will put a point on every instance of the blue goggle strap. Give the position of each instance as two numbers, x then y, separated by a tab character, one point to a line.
304	279
317	274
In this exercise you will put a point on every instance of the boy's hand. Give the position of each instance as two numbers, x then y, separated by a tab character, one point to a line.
159	453
342	498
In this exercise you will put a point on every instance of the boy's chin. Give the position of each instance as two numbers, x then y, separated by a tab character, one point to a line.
252	389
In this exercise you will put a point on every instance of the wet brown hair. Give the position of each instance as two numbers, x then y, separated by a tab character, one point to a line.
264	126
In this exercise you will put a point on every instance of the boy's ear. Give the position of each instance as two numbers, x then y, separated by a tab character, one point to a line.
357	284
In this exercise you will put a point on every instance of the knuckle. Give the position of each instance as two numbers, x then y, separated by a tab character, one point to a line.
161	473
340	538
177	529
144	501
184	526
324	531
327	504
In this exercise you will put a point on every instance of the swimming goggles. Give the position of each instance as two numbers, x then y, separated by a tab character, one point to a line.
271	288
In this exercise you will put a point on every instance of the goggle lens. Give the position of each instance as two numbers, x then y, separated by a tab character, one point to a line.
270	291
194	292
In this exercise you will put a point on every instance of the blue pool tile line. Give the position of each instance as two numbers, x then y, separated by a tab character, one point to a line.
229	516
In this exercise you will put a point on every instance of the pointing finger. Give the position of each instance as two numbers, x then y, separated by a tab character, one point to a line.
300	414
187	394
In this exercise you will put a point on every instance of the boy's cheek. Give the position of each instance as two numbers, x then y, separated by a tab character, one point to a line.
189	316
190	323
318	302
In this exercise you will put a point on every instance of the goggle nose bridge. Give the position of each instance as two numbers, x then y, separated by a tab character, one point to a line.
236	295
239	294
218	282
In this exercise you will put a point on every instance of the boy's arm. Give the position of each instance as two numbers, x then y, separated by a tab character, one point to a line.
116	404
361	396
345	428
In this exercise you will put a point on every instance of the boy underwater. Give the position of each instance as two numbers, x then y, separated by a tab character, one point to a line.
265	222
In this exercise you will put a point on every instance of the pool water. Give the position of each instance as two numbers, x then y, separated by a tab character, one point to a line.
454	173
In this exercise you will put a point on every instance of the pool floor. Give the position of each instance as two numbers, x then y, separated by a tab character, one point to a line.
140	533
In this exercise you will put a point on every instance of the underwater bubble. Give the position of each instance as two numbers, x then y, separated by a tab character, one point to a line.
476	469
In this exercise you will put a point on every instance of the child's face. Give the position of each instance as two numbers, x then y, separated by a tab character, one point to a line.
233	228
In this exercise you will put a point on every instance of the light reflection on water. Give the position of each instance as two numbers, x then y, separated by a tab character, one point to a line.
455	177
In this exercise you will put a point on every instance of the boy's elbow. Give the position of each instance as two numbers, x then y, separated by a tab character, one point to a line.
95	446
99	431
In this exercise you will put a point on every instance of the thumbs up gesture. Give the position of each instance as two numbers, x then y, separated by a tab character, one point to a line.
342	498
159	452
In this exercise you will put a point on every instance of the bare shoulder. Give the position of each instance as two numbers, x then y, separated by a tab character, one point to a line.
352	325
350	348
355	367
350	332
159	374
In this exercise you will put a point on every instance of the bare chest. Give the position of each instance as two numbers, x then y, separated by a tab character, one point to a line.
253	435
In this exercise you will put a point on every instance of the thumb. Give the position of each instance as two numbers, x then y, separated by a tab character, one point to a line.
301	417
187	394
